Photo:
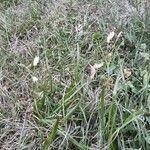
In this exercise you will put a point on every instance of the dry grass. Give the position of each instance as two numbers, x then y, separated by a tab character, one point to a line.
65	108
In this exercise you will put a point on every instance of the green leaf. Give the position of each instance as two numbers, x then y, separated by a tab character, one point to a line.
51	135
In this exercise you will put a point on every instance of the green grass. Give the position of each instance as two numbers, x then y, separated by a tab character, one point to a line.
65	108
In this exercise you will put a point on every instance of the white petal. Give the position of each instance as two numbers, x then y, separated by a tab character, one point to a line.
97	66
35	79
110	36
127	73
36	61
92	72
93	69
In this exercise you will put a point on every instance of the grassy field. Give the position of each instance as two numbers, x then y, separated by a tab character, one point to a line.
74	75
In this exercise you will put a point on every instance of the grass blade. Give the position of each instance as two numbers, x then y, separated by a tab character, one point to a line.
51	135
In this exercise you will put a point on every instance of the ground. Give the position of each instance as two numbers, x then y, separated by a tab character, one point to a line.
74	74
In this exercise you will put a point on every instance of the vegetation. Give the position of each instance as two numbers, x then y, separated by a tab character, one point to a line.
74	75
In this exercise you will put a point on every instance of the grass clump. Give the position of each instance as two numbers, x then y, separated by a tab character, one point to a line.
83	91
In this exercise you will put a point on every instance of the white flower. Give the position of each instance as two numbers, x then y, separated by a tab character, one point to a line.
97	66
36	61
93	69
109	55
127	73
79	30
110	36
35	79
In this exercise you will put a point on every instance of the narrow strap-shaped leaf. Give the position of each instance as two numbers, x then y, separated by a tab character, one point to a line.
51	135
